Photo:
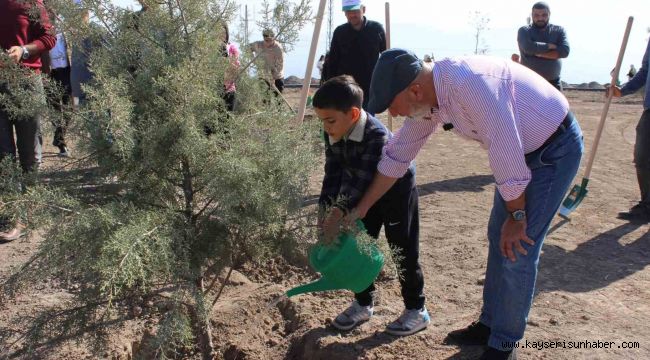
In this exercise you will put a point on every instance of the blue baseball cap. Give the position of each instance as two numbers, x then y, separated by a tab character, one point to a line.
349	5
395	71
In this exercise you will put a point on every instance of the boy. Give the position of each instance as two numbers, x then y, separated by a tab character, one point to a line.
353	148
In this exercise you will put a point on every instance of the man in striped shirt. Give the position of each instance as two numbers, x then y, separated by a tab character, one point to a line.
534	147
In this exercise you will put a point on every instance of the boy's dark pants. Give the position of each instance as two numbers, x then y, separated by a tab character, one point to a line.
397	211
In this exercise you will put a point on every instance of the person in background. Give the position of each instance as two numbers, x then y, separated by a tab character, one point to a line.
56	63
355	47
324	73
639	213
543	45
631	73
23	40
272	55
80	73
319	65
231	52
515	58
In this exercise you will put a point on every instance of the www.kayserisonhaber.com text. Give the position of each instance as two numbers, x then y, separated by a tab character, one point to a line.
566	344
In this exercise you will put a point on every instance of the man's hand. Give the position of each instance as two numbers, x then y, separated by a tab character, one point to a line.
15	53
358	212
552	46
551	55
512	234
613	91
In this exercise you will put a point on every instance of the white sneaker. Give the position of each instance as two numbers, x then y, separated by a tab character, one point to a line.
410	322
63	151
354	315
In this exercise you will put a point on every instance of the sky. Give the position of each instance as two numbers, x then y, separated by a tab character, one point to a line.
594	30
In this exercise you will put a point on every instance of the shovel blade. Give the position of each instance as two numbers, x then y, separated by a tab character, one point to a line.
575	197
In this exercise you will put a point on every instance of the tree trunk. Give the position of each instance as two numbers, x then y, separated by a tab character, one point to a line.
204	330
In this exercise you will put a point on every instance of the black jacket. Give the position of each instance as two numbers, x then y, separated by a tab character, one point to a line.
355	53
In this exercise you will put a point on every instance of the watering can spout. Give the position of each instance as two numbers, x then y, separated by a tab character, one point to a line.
321	284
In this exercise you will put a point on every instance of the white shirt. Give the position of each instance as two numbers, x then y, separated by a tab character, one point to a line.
58	54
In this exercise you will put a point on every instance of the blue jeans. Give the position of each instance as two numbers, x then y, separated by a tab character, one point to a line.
509	286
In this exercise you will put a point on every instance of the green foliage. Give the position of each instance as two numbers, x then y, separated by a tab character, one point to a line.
189	204
274	15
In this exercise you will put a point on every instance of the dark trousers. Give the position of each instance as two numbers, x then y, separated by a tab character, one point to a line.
61	101
397	211
27	128
642	157
279	84
556	83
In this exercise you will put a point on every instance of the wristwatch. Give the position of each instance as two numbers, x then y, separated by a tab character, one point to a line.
25	53
518	215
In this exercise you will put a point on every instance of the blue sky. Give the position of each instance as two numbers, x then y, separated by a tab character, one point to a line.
594	29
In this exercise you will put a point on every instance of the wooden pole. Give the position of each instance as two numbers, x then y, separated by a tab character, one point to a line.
246	25
390	117
603	116
310	62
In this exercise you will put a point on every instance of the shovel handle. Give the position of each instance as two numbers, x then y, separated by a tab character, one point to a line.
387	11
603	116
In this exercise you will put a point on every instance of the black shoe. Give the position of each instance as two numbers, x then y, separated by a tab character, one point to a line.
637	217
494	354
475	334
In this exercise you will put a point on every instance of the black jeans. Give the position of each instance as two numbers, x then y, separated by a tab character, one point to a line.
61	102
397	211
642	157
279	84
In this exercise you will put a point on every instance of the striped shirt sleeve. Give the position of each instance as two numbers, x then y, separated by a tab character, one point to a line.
398	153
489	101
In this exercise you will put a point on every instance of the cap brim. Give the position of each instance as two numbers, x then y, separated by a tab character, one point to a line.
352	7
375	107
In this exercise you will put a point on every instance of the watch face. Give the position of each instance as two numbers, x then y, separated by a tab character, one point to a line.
518	215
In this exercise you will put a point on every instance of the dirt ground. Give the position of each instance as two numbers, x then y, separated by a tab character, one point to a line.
593	284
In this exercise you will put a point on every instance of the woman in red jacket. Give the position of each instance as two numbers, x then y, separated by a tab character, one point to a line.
23	38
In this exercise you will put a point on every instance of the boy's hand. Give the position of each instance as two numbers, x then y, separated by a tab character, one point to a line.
331	226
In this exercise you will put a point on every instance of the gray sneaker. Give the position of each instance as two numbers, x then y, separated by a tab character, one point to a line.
410	322
354	315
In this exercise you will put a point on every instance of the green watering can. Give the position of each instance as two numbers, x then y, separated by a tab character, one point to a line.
342	266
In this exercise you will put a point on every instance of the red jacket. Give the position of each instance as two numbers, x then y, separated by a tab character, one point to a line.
17	29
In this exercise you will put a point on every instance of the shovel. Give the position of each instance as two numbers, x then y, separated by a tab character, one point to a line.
579	192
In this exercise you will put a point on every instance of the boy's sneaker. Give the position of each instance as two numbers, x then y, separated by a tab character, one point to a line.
410	322
354	315
63	151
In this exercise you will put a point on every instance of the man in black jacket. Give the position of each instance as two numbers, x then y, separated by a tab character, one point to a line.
356	46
